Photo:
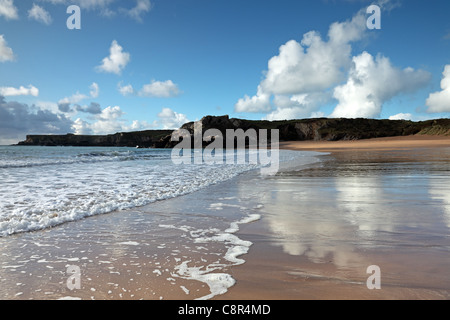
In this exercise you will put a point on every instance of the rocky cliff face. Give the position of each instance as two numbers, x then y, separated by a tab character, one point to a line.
321	129
324	129
144	139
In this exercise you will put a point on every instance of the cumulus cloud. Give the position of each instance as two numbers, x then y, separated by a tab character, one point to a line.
84	4
258	103
81	127
142	7
317	71
39	14
401	116
105	8
160	89
371	83
6	53
297	106
116	61
64	103
21	91
108	121
313	64
95	90
18	119
169	119
440	101
126	90
307	67
155	89
8	9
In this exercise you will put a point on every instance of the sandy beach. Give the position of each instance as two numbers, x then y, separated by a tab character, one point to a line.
373	202
388	143
309	232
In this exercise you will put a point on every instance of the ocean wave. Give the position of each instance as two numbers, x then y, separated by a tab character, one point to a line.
21	161
93	182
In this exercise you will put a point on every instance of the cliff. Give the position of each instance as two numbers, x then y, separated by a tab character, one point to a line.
144	139
321	129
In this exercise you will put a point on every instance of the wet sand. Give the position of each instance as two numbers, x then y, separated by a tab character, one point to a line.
176	249
383	202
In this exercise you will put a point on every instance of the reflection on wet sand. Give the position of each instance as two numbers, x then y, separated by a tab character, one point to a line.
303	228
439	190
338	217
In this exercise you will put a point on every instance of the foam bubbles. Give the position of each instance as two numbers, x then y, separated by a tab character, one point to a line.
211	274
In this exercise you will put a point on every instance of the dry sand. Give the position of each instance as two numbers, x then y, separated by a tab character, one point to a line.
389	143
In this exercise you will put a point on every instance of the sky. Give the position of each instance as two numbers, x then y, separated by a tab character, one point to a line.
157	64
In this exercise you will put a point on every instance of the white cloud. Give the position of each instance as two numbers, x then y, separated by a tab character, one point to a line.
297	106
308	67
108	13
111	113
39	14
95	90
306	75
8	9
157	89
371	83
93	4
75	98
142	6
169	119
110	121
104	8
107	122
126	90
48	106
160	89
401	116
313	64
440	101
258	103
84	4
21	91
81	127
6	53
139	125
116	61
78	97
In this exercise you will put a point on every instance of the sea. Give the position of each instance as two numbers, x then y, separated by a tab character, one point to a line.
46	186
133	222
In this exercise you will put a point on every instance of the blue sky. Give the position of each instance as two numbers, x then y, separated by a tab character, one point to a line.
149	64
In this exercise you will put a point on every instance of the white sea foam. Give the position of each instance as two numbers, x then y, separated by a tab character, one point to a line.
44	187
129	243
218	282
69	298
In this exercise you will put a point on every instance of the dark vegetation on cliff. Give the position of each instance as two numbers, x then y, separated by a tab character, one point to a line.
321	129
